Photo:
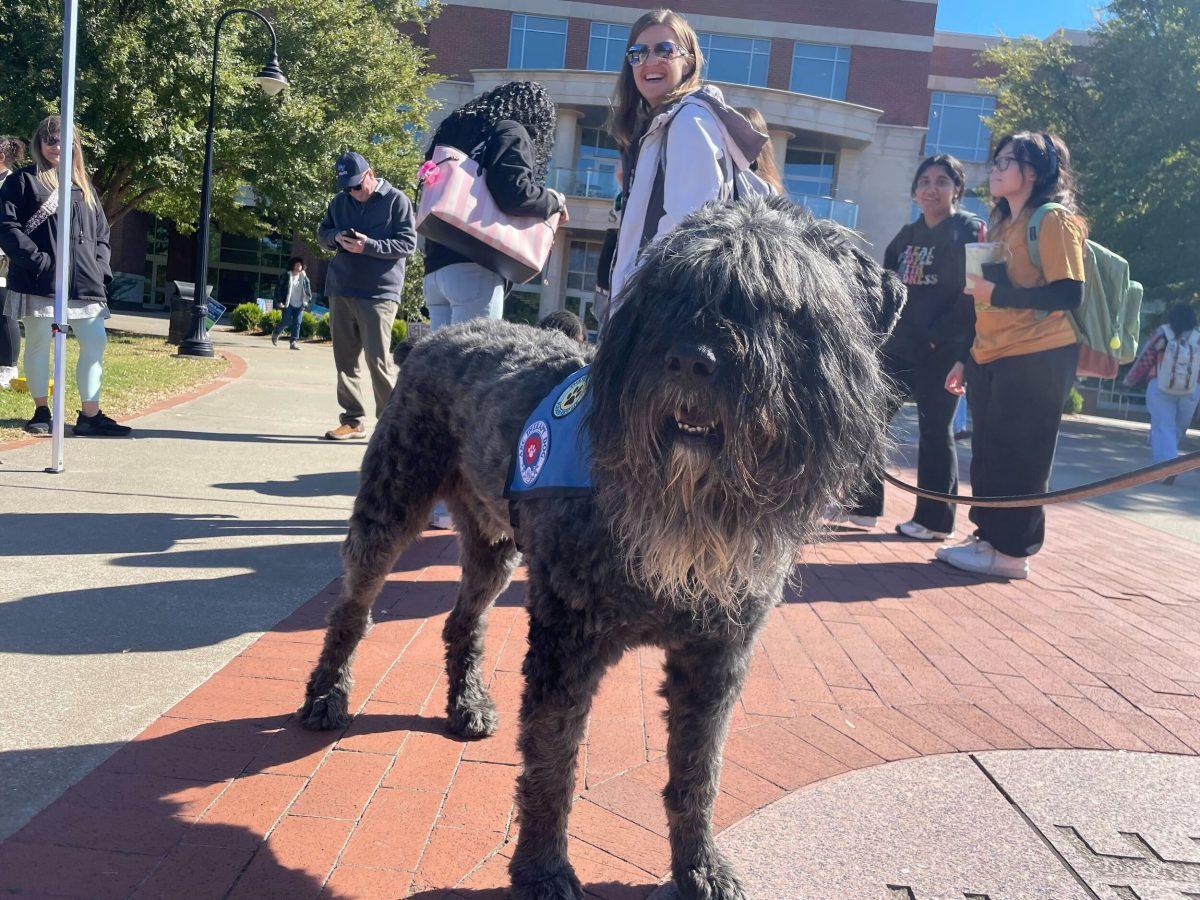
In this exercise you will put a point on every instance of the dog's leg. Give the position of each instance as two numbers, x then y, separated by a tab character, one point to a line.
703	682
562	670
400	478
487	567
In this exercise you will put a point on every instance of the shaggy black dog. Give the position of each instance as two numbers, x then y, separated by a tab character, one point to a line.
736	394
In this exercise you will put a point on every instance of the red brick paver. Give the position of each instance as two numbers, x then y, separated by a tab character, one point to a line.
880	655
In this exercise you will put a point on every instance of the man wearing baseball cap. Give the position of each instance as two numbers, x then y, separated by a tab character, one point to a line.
370	225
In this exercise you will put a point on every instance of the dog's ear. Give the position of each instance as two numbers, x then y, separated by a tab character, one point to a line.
883	293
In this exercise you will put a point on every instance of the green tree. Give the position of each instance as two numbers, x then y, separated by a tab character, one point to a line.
356	82
1129	108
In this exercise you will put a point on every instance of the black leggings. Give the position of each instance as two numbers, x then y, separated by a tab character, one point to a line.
10	335
1016	407
937	459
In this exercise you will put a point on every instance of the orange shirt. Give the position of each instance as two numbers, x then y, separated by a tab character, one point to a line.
1001	333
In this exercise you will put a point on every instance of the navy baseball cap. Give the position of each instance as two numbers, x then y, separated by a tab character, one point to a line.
351	167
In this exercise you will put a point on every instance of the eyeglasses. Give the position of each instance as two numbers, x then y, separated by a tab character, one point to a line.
664	50
1001	163
52	141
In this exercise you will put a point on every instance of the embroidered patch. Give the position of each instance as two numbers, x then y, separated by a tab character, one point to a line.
535	447
571	397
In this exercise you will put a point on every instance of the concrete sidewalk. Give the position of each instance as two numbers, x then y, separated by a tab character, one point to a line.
906	731
151	562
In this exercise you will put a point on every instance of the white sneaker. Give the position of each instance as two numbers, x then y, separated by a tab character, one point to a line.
921	533
845	518
982	558
7	374
969	541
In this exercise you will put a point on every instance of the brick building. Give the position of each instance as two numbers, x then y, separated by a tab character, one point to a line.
854	93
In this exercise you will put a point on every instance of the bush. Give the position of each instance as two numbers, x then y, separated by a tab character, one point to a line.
308	326
1074	404
324	330
245	317
268	322
399	332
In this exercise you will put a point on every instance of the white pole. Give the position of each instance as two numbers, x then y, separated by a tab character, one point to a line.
62	276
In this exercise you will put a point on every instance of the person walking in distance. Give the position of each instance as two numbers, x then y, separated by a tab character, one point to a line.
1171	362
293	294
370	225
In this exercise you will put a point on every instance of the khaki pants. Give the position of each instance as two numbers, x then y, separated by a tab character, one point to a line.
359	327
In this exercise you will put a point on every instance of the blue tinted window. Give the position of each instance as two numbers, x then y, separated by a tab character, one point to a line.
735	60
606	46
821	70
956	125
537	43
809	173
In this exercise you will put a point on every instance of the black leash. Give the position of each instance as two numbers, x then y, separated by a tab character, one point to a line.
1157	472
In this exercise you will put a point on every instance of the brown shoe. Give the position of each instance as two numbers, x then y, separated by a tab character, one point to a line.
346	433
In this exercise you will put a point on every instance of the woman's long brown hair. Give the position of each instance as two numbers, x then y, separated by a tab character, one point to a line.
47	174
628	106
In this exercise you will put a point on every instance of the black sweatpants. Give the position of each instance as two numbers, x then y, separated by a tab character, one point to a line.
10	335
1016	407
937	460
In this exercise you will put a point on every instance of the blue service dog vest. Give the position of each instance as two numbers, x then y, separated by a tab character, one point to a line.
554	455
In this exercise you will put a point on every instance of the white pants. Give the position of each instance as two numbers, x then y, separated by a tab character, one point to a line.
462	292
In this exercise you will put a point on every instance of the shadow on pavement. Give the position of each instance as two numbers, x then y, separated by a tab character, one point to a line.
317	484
233	437
840	583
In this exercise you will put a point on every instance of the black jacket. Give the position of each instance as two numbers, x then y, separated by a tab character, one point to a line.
508	162
931	262
283	286
33	256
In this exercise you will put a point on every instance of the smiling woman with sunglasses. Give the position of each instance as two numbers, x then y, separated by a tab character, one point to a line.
677	138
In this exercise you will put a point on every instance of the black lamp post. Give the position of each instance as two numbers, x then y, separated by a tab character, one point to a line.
271	79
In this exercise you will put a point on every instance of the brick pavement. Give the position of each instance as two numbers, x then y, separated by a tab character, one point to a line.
882	656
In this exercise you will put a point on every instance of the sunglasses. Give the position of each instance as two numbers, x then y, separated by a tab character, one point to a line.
52	141
358	187
664	50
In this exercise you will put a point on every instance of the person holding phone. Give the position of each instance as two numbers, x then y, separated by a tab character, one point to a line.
371	227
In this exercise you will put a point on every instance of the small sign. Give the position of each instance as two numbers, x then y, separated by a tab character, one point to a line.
265	305
417	330
213	315
318	310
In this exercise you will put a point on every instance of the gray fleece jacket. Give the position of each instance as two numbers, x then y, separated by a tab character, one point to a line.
386	218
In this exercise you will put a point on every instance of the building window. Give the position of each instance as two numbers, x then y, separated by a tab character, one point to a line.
606	46
956	125
537	43
582	262
735	60
809	173
820	70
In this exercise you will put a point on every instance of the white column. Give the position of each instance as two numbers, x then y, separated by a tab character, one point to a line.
554	287
566	138
779	143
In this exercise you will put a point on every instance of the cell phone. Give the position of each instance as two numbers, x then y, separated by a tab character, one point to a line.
351	234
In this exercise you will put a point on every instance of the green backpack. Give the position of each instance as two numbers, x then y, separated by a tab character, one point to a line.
1109	318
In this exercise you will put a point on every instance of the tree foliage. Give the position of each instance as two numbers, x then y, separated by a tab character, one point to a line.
144	66
1128	107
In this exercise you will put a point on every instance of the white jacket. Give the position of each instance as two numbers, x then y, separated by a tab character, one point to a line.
705	143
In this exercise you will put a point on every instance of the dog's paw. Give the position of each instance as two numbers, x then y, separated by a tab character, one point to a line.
561	886
477	719
717	881
325	712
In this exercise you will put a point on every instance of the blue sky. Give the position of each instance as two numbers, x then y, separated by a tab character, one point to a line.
1014	17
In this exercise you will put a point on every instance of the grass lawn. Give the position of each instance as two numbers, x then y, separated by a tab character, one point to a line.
138	371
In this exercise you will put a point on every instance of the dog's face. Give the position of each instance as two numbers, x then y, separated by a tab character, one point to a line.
738	392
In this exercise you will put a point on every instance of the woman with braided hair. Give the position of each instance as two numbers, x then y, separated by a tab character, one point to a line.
510	131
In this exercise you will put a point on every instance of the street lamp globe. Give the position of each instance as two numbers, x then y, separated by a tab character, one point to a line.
271	78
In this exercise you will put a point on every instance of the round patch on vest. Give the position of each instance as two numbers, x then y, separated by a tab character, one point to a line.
571	397
535	447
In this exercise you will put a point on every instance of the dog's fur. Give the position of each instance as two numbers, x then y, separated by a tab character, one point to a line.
750	320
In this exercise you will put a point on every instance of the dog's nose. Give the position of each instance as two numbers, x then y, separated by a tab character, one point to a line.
693	362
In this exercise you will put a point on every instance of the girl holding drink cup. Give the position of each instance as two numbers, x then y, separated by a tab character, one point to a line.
1022	362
